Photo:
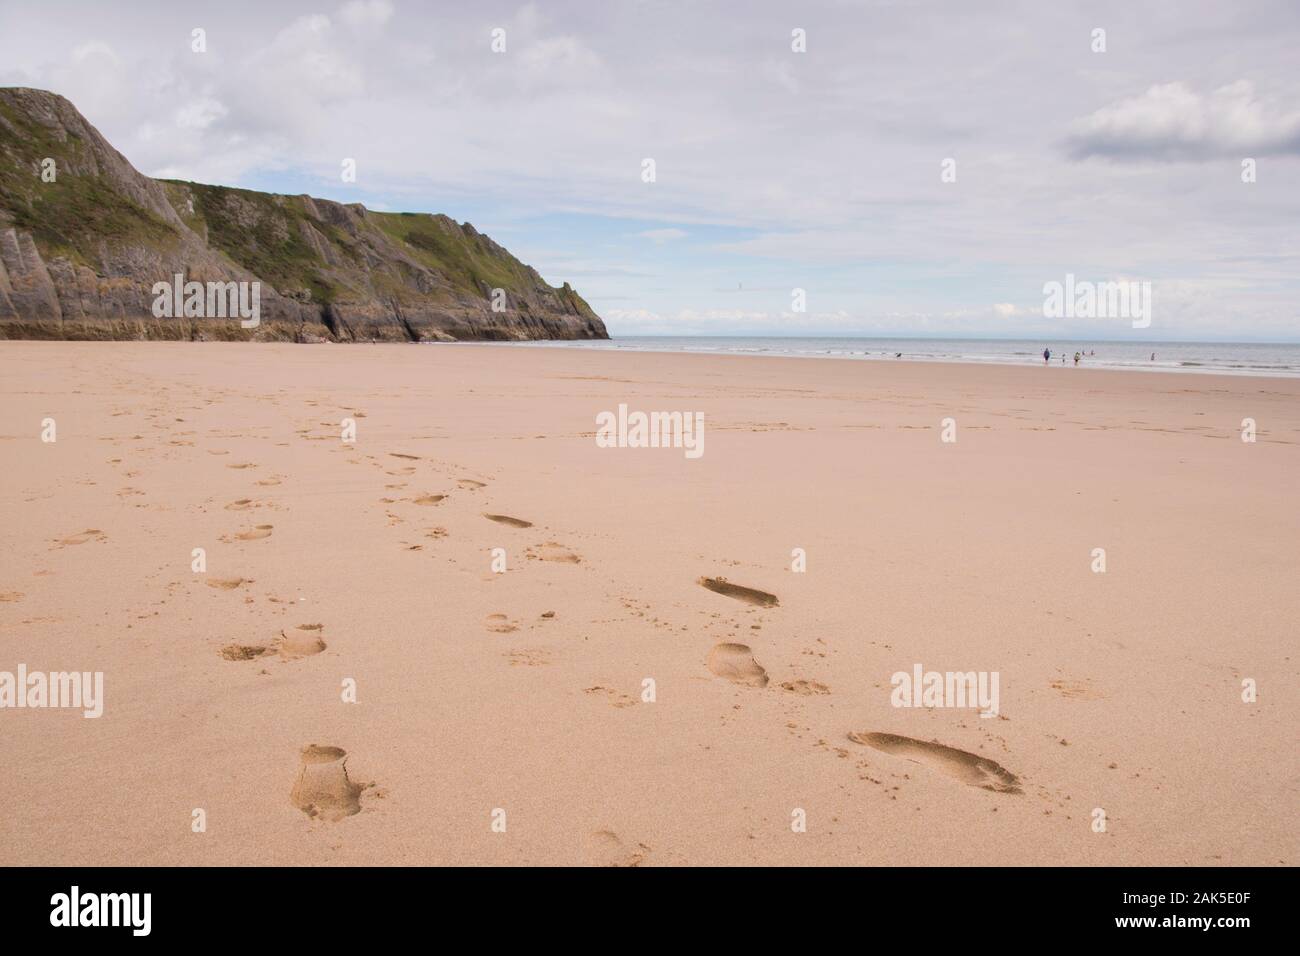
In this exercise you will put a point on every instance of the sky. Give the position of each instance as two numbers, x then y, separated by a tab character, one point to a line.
775	169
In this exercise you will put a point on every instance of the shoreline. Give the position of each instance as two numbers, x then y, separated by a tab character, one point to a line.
610	344
612	348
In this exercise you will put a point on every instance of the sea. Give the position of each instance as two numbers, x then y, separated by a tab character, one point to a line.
1218	358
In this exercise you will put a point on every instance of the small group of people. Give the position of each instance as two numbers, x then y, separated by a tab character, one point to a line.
1078	356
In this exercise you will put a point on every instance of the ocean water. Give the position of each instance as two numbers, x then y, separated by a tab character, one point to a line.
1219	358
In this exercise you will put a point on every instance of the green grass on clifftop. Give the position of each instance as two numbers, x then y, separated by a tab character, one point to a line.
74	215
464	259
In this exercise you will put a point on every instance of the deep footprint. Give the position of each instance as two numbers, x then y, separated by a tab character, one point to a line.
736	663
226	584
322	789
969	768
506	519
748	595
302	641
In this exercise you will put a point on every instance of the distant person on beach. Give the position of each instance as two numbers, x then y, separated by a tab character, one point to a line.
1153	356
1076	358
1047	356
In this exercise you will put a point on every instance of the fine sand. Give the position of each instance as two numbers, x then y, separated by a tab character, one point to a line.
485	698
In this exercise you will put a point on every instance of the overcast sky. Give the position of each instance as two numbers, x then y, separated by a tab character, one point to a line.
775	169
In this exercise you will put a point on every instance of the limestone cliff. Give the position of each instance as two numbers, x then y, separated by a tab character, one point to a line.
81	250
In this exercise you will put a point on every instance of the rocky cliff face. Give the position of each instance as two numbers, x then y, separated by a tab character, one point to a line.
81	250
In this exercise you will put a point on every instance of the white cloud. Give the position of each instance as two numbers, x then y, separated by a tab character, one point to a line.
1171	121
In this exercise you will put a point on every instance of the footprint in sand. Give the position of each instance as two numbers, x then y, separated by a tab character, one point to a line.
469	484
255	534
553	551
429	499
506	519
243	504
748	595
227	584
612	696
398	454
322	789
1077	689
969	768
500	624
805	688
269	481
242	465
736	663
302	641
90	534
244	652
606	848
9	597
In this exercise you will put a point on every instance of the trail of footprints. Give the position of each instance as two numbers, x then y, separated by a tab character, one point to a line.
323	790
735	662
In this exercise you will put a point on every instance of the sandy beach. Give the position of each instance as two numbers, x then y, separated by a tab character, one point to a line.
505	717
